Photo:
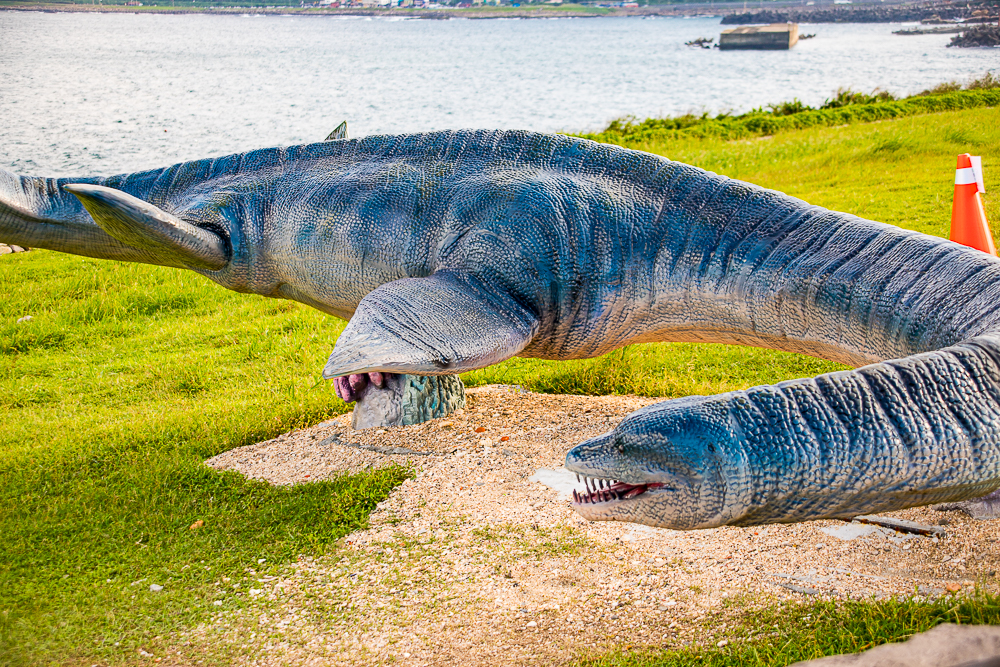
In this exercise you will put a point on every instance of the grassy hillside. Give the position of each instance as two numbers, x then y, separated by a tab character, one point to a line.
128	376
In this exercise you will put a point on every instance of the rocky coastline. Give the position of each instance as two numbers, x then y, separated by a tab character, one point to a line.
982	35
932	13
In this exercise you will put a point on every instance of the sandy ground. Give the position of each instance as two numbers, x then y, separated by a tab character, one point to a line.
474	563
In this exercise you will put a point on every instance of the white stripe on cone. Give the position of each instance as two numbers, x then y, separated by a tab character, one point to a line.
965	176
973	174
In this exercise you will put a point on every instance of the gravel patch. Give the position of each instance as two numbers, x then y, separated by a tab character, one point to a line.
473	563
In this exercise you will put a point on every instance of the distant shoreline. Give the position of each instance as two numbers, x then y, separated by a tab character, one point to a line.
731	13
427	14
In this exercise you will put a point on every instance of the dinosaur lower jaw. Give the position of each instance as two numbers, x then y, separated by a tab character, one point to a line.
608	492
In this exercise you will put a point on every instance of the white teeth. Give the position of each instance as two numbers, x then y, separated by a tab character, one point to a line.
600	490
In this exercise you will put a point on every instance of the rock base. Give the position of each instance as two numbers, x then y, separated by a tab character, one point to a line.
987	507
408	399
11	249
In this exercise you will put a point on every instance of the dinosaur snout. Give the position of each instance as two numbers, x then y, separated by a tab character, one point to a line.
665	466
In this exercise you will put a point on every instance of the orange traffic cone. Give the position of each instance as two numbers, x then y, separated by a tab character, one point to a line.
968	219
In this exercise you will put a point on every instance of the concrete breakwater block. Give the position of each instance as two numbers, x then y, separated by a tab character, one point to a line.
408	399
946	645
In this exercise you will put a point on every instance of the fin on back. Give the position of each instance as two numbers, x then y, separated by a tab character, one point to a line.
141	225
340	132
442	324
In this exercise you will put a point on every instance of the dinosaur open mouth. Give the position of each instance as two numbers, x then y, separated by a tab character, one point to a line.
608	490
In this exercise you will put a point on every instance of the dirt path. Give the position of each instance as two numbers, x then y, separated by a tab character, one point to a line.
472	563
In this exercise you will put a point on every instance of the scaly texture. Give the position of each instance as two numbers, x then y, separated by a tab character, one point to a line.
456	250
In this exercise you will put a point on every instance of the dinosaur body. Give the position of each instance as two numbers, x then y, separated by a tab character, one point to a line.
455	250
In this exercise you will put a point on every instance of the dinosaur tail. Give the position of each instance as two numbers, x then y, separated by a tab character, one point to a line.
37	212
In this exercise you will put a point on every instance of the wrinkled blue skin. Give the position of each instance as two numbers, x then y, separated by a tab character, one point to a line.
456	250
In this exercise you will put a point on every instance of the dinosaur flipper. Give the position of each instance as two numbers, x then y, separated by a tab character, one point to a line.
141	225
442	324
339	132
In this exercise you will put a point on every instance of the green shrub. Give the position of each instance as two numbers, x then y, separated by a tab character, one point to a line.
845	108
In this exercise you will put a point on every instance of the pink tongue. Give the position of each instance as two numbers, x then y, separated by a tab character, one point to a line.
343	388
358	382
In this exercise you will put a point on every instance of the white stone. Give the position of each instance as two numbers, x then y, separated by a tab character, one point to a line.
946	645
559	479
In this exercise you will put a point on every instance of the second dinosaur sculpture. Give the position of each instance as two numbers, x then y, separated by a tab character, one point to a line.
456	250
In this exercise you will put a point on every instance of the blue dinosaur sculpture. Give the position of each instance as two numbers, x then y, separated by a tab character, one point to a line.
452	251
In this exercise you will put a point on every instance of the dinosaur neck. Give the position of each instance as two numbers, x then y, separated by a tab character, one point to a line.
759	268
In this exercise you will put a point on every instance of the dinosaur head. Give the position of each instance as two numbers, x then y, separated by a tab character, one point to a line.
667	465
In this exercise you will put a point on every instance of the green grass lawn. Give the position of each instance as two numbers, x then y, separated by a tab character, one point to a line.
127	377
792	632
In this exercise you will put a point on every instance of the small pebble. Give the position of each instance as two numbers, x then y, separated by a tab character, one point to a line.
532	624
156	588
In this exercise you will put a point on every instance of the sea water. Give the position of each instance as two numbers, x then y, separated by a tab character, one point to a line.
109	93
